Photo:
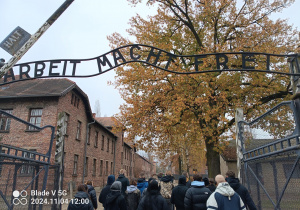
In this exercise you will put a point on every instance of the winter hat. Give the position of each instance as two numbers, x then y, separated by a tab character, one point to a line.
182	180
150	179
116	186
206	181
110	179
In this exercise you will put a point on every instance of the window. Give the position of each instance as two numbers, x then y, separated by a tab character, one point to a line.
94	166
121	157
27	169
67	122
75	168
102	146
1	159
78	133
96	139
112	147
107	144
35	118
111	168
106	168
89	136
101	167
86	166
5	120
75	100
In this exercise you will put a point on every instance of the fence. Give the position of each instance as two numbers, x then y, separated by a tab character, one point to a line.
271	152
28	180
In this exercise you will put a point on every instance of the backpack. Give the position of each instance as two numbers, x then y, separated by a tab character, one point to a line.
166	189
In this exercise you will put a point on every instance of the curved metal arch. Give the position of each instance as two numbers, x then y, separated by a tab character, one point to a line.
153	53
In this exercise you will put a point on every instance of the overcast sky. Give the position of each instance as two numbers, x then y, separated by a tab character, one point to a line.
81	32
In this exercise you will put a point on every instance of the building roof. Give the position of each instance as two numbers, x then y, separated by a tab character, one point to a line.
46	88
229	153
38	88
144	158
107	121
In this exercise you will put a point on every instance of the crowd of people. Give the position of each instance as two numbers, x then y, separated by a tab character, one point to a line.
160	193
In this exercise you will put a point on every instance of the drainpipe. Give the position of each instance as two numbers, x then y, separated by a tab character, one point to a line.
115	142
85	148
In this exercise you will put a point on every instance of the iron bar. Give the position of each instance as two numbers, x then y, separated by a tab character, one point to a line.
261	185
289	177
19	54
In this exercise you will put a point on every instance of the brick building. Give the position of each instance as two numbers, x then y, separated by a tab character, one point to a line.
91	151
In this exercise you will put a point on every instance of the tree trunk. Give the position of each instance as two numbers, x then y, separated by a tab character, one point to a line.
213	160
179	165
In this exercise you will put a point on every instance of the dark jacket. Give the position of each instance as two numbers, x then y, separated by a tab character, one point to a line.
93	197
132	197
80	201
115	200
188	183
196	196
211	187
142	184
158	203
124	181
242	191
106	190
153	199
178	193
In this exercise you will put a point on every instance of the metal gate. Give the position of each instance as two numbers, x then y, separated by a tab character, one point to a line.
271	152
27	180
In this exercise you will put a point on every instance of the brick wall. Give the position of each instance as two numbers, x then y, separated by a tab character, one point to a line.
113	158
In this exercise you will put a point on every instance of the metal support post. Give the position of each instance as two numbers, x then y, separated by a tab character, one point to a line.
19	54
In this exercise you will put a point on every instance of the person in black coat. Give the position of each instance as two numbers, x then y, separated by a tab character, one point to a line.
92	193
132	195
212	187
197	195
240	189
178	193
81	200
123	180
188	181
115	200
106	190
153	199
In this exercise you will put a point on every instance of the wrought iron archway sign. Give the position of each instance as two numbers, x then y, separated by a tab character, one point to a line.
149	55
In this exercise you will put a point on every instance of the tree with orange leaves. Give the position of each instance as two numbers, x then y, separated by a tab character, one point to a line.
162	108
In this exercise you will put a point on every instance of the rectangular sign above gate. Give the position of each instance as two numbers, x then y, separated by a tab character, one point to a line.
15	40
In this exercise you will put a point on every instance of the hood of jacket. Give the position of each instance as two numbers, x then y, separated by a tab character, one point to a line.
90	188
116	186
167	179
233	182
121	176
110	179
142	184
112	196
81	194
225	189
182	180
197	184
131	188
